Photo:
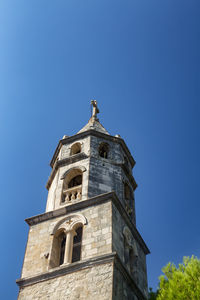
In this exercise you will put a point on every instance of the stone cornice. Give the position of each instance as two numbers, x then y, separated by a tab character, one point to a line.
64	162
87	203
66	269
81	265
94	133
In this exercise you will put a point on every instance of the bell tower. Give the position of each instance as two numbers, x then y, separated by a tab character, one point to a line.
86	244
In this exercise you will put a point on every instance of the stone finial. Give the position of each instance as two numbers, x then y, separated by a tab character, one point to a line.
95	110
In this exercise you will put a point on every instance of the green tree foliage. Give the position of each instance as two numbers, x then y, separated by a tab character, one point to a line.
152	295
182	283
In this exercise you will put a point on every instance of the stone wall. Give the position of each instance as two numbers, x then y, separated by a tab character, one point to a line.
96	239
92	283
118	224
121	289
100	175
105	175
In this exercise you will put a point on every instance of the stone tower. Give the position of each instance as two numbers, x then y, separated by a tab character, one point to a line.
86	244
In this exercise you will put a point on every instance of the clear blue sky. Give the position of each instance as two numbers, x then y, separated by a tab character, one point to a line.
140	60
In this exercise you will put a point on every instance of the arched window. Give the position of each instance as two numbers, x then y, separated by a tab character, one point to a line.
76	252
104	150
62	248
67	240
58	248
76	148
72	186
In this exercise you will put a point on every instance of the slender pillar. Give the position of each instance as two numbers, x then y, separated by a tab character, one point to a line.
69	245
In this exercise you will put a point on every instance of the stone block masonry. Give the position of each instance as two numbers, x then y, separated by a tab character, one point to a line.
96	239
92	283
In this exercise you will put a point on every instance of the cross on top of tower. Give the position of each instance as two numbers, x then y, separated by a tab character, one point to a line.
95	109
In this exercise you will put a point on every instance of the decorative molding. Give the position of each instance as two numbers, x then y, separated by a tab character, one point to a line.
83	169
71	221
72	208
66	269
82	265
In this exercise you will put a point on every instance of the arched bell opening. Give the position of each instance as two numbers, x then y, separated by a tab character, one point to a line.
104	150
72	186
75	149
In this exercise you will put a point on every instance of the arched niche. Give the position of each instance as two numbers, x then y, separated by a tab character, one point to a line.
75	148
104	150
72	184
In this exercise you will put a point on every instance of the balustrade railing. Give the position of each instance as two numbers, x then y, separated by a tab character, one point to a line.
73	194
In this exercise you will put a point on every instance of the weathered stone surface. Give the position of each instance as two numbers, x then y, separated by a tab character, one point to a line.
140	272
101	175
87	284
96	235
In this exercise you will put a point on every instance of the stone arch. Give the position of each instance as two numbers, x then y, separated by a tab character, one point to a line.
72	184
76	148
82	168
104	150
65	247
69	222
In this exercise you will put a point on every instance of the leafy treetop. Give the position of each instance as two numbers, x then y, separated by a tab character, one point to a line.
180	283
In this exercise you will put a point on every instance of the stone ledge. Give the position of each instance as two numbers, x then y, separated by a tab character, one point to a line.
70	208
87	203
81	265
63	270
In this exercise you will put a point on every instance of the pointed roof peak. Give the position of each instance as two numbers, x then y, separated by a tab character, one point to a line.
94	125
93	122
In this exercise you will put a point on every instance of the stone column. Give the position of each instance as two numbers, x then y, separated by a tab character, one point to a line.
69	246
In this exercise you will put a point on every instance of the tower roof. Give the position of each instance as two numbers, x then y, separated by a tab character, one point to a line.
94	125
93	122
